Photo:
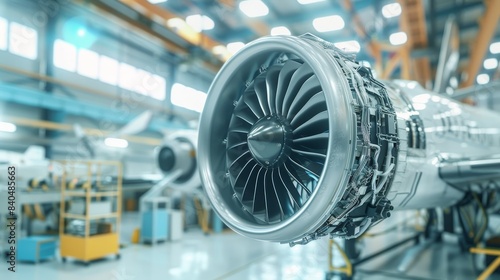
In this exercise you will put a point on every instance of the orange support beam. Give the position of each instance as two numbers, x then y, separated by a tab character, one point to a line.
413	23
487	26
405	63
89	131
372	46
391	65
160	15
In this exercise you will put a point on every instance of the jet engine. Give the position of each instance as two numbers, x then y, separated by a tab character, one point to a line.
298	140
177	156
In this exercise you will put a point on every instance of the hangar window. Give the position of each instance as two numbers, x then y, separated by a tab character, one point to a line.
3	34
23	41
127	76
64	55
188	97
159	89
150	85
108	70
143	81
88	63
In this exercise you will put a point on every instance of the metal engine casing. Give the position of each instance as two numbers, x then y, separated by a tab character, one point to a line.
383	151
180	149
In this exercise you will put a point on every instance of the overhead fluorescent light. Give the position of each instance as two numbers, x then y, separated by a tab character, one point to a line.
254	8
280	30
306	2
398	38
115	142
348	46
490	63
482	79
176	23
200	22
219	50
329	23
7	127
156	1
495	47
234	47
391	10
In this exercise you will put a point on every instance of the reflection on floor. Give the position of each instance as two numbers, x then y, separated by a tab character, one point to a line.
230	256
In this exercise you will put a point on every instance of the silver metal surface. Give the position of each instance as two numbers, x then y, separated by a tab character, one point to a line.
449	56
452	131
226	90
386	143
490	88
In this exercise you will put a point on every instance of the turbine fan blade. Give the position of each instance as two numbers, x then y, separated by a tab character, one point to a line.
260	88
290	188
298	78
315	125
284	78
272	86
309	89
259	204
250	98
316	104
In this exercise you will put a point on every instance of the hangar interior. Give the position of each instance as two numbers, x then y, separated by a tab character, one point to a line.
110	171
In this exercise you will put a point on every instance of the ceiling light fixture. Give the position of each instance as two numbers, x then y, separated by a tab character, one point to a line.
490	63
280	30
156	1
116	142
219	50
307	2
482	79
200	22
7	127
234	47
391	10
398	38
329	23
176	23
495	47
254	8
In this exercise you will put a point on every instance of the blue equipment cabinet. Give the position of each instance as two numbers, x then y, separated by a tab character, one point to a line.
155	220
36	248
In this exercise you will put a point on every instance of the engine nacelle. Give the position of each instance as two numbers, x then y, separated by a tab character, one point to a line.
298	140
178	152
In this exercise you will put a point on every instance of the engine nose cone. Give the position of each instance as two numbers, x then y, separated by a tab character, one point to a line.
166	159
267	141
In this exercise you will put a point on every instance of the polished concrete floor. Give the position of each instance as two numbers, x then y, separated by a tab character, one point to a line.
230	256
